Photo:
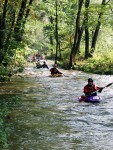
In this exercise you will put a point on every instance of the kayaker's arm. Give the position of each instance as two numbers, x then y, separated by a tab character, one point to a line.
100	90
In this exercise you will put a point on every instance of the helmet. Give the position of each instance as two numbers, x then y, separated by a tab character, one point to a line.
90	80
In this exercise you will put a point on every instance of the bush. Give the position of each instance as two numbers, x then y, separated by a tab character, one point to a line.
4	73
98	64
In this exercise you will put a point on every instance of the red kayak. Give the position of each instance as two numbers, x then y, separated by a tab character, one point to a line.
91	99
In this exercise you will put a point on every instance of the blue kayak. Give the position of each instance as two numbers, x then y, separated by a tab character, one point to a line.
91	99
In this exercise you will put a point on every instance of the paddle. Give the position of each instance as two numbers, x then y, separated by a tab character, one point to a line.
65	75
107	85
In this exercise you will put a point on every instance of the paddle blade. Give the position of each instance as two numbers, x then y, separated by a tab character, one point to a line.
109	84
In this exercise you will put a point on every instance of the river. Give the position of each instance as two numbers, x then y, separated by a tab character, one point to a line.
51	118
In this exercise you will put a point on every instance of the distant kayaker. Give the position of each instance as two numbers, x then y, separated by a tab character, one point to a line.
55	72
91	88
45	65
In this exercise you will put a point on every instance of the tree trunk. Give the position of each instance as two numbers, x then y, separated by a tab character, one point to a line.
87	2
56	34
51	37
77	30
26	16
60	55
19	21
3	24
10	33
2	30
95	36
78	42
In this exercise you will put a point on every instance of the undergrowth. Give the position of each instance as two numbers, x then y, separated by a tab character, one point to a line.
99	64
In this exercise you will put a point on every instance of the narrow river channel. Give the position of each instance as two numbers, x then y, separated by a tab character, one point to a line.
51	118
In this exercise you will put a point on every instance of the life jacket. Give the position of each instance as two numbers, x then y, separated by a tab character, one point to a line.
54	71
90	89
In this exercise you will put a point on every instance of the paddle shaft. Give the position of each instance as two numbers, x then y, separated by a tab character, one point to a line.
108	85
64	75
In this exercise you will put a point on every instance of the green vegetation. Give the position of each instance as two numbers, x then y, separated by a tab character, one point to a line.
67	31
98	64
6	123
77	34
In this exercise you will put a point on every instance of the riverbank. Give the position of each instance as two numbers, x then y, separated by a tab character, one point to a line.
101	63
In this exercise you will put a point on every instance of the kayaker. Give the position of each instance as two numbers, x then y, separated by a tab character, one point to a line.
54	71
91	88
45	65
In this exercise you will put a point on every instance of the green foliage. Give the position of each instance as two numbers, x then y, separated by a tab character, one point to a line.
67	11
19	60
4	73
6	104
99	64
39	29
12	65
35	38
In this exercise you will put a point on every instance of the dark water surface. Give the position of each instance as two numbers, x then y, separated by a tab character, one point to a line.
51	118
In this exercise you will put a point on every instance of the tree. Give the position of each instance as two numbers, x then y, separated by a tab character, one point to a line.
77	33
96	32
18	25
87	2
10	26
2	29
56	33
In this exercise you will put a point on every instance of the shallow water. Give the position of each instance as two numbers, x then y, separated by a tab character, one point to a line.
51	118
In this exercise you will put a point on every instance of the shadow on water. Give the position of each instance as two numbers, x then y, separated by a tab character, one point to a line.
51	118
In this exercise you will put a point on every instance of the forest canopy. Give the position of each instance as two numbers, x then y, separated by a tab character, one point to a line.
77	33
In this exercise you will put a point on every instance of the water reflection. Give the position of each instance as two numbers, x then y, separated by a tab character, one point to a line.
51	117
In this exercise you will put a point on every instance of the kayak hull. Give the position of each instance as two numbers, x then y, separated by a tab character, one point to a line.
91	99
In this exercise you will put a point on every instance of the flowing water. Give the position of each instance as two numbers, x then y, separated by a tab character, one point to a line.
51	118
